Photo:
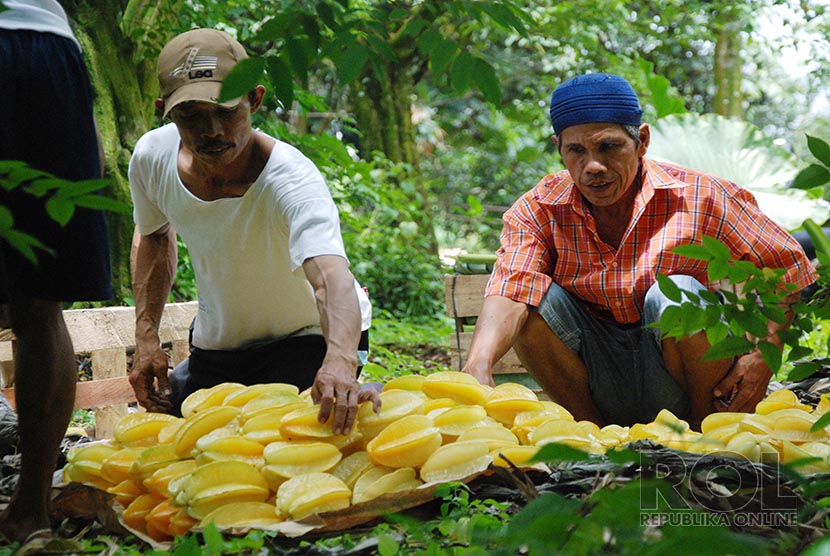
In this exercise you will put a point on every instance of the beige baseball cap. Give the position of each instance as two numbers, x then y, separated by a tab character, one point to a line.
192	66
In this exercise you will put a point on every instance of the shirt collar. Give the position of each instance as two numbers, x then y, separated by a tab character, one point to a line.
559	188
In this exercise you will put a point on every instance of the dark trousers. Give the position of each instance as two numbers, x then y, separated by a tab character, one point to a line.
293	360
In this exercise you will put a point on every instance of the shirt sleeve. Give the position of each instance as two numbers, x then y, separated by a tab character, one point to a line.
146	212
313	230
525	260
752	235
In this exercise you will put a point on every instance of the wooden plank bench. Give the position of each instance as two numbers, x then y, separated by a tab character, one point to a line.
463	297
108	335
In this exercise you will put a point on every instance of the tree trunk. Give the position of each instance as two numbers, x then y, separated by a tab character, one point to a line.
728	98
382	108
124	83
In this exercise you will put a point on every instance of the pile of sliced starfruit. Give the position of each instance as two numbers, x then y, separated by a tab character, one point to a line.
247	457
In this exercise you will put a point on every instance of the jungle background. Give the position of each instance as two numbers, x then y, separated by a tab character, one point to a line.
428	119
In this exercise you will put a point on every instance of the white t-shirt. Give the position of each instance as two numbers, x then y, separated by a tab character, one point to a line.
45	16
247	252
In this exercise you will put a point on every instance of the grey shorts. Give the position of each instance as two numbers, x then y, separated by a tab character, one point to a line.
626	375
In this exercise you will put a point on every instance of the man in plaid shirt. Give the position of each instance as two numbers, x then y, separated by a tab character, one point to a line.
574	285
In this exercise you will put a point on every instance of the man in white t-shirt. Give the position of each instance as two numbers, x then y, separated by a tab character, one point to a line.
277	302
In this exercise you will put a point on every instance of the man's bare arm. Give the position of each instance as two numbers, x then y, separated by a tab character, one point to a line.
153	261
497	328
335	384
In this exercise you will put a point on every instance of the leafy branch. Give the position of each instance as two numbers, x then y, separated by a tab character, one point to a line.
296	40
61	199
735	318
815	175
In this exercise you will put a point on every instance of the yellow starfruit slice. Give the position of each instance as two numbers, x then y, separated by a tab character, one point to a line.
408	442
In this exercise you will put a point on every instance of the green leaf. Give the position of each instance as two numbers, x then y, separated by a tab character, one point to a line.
669	288
17	173
387	545
751	322
276	28
3	7
312	31
671	324
820	241
297	52
663	101
813	175
352	63
802	370
42	186
25	244
381	47
775	314
60	210
821	422
731	346
7	166
80	188
99	202
560	452
799	352
693	251
428	40
214	542
694	319
282	79
717	333
414	26
546	521
398	14
461	72
712	315
771	354
821	547
717	248
326	15
6	218
718	269
820	149
504	16
485	79
244	76
442	55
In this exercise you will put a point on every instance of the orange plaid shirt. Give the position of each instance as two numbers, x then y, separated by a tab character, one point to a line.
549	236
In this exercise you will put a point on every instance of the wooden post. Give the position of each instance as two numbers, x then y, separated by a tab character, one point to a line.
108	363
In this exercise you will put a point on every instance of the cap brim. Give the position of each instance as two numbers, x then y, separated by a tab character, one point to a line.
205	91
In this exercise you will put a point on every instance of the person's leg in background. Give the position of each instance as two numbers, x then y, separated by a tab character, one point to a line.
44	376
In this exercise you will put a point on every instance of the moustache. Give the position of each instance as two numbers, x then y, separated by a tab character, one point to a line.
214	145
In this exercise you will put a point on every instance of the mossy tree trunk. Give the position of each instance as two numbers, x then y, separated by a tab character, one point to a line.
383	112
727	75
121	64
382	107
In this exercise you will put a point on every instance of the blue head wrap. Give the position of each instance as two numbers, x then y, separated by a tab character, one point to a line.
594	97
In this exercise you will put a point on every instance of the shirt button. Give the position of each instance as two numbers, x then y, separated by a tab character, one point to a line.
613	265
619	304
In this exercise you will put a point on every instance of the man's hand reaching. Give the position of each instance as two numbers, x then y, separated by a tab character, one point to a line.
148	377
744	385
344	394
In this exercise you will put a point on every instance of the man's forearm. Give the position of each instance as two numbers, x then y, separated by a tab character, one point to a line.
338	306
153	264
498	326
